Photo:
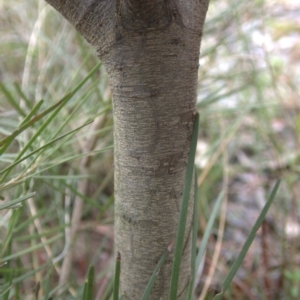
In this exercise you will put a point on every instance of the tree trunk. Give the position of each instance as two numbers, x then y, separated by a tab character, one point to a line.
150	50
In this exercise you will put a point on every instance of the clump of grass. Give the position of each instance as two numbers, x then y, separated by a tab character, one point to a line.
51	122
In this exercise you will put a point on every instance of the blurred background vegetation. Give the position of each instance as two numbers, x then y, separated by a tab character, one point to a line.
249	136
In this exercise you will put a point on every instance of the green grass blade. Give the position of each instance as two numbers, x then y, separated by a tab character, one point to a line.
6	291
183	211
12	100
34	110
14	202
85	288
22	95
22	278
8	277
39	131
51	165
88	286
207	232
47	288
58	106
62	177
10	138
194	239
69	158
6	243
15	163
86	78
24	126
90	283
117	277
195	222
75	90
154	274
30	273
44	125
248	242
210	101
31	249
108	292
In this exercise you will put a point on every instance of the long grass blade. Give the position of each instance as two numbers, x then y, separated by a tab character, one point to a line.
24	126
207	232
58	106
248	243
13	203
9	276
51	165
10	138
47	288
183	211
214	99
6	243
34	110
22	95
155	273
88	286
194	239
12	100
23	277
117	277
31	249
108	292
15	163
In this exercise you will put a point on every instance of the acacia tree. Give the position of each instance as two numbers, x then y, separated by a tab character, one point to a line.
150	50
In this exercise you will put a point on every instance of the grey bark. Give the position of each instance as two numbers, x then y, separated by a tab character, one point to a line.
150	50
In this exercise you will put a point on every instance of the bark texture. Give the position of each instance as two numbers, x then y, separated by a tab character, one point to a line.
150	50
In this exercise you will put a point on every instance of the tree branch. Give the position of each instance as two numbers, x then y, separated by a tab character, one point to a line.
94	19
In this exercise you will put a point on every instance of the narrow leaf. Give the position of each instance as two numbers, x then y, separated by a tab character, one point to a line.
183	211
88	286
210	101
22	95
117	277
24	126
75	90
6	243
31	249
26	120
207	232
9	276
15	163
34	110
47	287
12	100
155	273
8	204
194	239
248	243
